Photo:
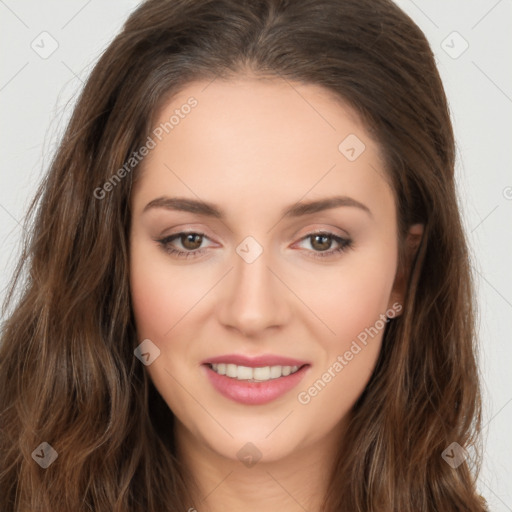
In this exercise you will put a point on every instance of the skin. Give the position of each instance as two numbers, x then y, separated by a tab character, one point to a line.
254	147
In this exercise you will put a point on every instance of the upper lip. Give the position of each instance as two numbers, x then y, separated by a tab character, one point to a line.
255	361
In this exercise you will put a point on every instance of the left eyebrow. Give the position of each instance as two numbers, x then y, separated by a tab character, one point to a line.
296	210
309	207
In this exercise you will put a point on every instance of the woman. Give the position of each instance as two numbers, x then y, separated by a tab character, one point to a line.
247	281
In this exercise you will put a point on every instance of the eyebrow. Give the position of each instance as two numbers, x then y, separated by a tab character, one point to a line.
211	210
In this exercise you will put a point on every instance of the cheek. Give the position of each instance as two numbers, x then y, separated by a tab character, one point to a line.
353	302
160	296
354	307
160	300
359	306
354	297
150	301
348	357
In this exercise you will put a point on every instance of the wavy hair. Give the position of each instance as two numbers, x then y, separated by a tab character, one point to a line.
68	375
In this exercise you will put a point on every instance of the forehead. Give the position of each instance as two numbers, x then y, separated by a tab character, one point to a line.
258	139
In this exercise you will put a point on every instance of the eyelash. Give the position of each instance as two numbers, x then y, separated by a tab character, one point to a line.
345	243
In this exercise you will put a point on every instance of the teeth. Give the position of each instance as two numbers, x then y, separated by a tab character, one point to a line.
244	373
231	370
275	372
260	374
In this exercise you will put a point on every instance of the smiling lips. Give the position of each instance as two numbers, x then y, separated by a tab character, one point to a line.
254	380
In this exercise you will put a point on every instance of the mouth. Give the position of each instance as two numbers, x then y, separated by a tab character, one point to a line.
253	374
254	385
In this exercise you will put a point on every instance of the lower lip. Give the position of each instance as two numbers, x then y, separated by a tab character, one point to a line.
254	393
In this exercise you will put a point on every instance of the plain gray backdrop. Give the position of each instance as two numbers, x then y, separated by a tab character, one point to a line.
50	46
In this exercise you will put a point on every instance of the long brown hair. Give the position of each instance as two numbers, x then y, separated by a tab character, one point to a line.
68	375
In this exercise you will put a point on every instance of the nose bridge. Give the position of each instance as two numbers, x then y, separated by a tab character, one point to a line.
254	299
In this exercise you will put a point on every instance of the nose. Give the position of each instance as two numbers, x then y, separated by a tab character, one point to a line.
254	298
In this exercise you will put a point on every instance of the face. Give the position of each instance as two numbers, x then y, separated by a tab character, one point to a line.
240	265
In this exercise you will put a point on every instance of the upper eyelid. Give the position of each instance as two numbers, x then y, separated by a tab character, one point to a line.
179	233
327	227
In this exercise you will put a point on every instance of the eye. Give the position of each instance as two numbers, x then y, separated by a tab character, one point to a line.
190	241
322	241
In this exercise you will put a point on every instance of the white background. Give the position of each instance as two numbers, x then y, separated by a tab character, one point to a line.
37	95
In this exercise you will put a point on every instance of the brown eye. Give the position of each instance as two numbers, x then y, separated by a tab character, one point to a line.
321	242
191	241
184	245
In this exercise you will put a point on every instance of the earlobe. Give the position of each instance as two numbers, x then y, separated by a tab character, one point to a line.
412	244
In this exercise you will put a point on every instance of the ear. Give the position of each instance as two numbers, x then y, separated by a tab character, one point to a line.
412	243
